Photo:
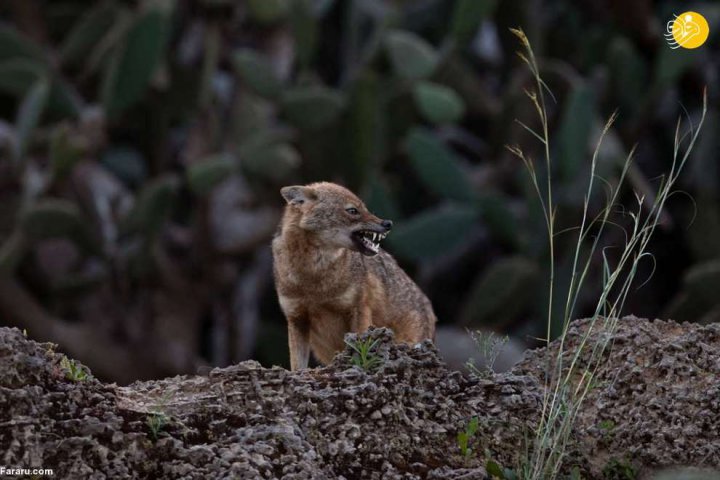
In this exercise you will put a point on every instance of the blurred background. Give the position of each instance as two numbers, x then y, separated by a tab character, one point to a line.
143	145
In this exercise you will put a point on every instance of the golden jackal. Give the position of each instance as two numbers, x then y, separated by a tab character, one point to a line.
333	278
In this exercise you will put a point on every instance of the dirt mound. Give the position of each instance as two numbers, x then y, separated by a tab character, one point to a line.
399	421
657	399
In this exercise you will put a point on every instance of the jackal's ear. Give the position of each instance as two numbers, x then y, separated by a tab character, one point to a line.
297	194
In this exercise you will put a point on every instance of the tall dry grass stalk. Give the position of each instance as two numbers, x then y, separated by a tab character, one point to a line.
567	383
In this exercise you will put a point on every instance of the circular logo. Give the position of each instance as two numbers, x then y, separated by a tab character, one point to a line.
687	30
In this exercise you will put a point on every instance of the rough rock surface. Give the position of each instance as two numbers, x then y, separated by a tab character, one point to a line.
657	399
660	389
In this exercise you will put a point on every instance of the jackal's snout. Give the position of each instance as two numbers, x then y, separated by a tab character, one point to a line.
367	239
378	225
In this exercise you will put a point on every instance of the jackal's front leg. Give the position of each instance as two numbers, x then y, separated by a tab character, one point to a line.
298	332
362	320
299	342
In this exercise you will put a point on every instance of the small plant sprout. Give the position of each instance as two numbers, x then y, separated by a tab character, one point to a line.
620	469
607	425
490	346
494	470
607	428
156	422
364	355
464	437
73	370
157	419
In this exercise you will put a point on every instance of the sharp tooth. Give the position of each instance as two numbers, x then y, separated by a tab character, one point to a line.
375	237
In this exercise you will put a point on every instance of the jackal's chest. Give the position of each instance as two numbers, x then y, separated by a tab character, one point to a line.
325	301
317	287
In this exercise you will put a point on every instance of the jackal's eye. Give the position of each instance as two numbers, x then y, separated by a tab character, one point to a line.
352	211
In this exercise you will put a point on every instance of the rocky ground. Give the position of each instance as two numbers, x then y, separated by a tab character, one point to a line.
656	405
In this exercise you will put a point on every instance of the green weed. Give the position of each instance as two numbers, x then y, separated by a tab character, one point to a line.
619	470
156	422
364	355
73	370
157	419
464	437
495	470
490	346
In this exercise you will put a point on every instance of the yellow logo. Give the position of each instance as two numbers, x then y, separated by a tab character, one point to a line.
687	30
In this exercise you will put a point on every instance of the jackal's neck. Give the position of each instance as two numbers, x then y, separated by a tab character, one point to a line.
307	255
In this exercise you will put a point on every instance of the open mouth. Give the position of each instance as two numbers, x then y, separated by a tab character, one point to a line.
368	242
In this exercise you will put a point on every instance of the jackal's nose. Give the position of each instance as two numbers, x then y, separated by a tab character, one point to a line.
387	224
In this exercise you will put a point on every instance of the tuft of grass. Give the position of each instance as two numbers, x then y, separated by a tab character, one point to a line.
490	346
620	470
156	422
568	382
364	354
157	419
607	425
73	370
495	470
464	437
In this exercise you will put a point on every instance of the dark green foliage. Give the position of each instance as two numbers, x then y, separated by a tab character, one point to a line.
437	166
126	163
304	23
88	31
276	162
467	15
209	172
29	115
411	56
505	289
311	107
578	119
628	72
433	232
257	73
698	298
11	252
64	152
17	74
154	205
51	218
14	45
136	60
438	104
268	11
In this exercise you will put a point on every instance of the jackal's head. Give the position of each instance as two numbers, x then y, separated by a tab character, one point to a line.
334	217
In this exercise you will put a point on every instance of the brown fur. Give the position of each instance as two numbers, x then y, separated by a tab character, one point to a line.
327	288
